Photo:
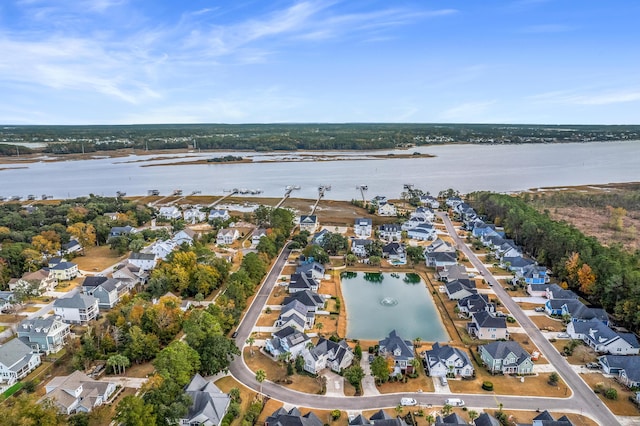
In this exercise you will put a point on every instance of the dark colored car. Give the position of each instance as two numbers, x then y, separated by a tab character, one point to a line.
234	335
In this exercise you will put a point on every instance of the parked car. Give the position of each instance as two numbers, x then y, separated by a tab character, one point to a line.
444	381
593	365
454	402
408	401
539	309
234	335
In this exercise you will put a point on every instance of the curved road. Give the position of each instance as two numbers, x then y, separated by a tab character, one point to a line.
577	403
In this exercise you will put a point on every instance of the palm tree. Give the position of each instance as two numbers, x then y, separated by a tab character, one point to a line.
261	375
319	326
417	341
472	415
446	410
429	418
250	341
399	409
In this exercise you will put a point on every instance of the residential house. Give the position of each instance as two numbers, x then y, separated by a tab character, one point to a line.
424	213
400	350
422	232
46	335
516	264
390	232
301	282
506	358
287	340
414	221
534	274
327	354
440	245
602	338
169	212
508	248
16	361
614	364
453	419
485	326
475	303
64	271
185	305
130	274
309	223
430	201
144	261
387	209
482	228
221	214
256	235
73	246
296	315
359	247
78	393
440	260
318	238
363	227
77	309
395	253
312	300
447	361
485	419
119	231
379	200
43	278
550	291
546	419
576	310
379	418
311	268
108	292
160	250
185	235
208	403
293	417
194	215
90	283
460	289
227	236
453	201
452	273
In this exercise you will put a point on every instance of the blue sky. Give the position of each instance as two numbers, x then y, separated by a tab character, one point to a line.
261	61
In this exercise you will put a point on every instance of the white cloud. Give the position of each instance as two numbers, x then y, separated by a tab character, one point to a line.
601	98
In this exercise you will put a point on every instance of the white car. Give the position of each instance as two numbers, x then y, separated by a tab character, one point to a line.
408	401
454	402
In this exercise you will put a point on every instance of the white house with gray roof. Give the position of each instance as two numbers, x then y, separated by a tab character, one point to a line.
78	393
399	349
16	361
144	261
327	354
296	315
108	291
77	309
603	339
506	357
209	404
169	212
446	360
363	227
287	339
46	335
301	282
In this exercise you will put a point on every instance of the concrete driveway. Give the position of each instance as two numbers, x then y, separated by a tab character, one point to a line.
369	382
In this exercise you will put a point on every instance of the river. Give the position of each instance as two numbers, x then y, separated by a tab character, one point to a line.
500	168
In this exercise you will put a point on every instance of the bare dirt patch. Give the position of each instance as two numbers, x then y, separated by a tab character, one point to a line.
97	259
277	372
544	322
267	319
511	385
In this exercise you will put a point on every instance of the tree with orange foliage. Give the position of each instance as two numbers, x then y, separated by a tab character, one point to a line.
586	279
572	265
47	242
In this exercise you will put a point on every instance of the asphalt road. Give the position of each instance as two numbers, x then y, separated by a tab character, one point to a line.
583	401
583	397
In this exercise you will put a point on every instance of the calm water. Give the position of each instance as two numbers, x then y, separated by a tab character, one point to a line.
384	302
501	168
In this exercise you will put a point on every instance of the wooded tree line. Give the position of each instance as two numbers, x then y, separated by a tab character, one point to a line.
606	276
269	137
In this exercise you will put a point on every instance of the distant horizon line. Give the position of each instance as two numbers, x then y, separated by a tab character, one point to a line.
297	123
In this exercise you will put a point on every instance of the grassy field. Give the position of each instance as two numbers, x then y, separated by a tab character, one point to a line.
277	372
96	259
621	406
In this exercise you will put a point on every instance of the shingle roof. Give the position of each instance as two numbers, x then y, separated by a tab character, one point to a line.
13	351
93	281
292	418
209	403
500	349
77	301
393	342
485	319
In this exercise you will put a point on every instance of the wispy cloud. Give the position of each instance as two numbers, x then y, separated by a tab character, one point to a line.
599	98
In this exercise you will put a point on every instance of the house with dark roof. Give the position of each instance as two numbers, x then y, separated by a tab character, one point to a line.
309	223
516	264
401	350
441	361
293	417
64	271
301	282
603	339
311	269
108	291
439	259
327	354
506	357
475	303
627	368
318	237
287	339
73	246
422	232
296	315
363	227
221	214
16	361
453	419
312	300
576	310
460	289
550	291
77	309
390	232
78	393
485	326
485	419
453	272
395	253
482	228
208	403
47	335
546	419
379	418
